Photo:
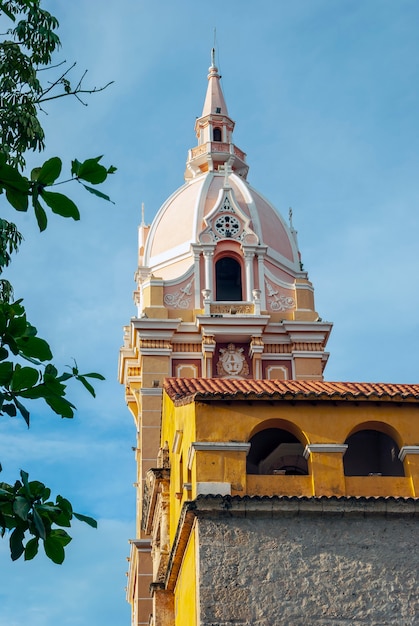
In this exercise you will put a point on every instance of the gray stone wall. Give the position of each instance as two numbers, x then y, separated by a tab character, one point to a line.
308	569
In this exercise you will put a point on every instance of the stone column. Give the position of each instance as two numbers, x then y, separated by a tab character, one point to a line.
208	256
326	468
409	456
197	273
261	251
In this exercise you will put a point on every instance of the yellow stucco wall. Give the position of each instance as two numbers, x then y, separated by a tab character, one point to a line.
322	422
185	590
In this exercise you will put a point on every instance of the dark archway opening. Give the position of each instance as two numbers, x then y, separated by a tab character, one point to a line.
217	134
228	280
372	452
276	451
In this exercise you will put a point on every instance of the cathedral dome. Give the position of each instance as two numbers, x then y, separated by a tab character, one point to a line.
196	213
185	216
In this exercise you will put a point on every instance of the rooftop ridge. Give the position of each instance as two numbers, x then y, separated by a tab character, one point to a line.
186	390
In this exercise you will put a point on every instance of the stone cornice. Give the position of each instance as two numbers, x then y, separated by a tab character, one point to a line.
324	448
407	450
215	446
279	506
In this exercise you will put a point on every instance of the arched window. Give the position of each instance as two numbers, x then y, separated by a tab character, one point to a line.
372	452
276	451
216	133
228	279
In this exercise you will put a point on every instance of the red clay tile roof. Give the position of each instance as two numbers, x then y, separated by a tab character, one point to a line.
186	390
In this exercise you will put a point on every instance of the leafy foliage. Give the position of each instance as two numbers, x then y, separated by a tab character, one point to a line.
22	192
27	372
26	48
25	507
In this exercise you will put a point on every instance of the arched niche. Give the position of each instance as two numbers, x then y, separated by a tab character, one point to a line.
276	450
372	450
228	280
216	134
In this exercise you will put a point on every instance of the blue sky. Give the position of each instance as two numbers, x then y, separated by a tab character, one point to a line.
325	98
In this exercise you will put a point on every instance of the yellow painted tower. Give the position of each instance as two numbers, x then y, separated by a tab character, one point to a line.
249	463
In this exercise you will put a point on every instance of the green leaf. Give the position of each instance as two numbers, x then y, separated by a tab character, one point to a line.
6	373
3	354
17	326
18	199
23	410
7	12
94	375
54	549
61	406
61	535
34	347
88	520
87	385
65	505
37	489
97	193
65	376
10	409
112	169
24	476
11	178
35	174
40	214
50	171
21	506
31	549
75	167
39	524
51	370
16	543
60	204
92	171
24	377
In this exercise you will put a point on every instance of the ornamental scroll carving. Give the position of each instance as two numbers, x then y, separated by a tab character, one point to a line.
180	299
277	301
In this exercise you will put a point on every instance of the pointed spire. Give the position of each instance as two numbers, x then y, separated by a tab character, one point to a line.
214	131
214	100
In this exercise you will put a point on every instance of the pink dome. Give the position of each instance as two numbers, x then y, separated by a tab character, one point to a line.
182	218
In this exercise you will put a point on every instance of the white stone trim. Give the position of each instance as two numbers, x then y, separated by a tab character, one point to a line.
215	489
407	450
215	446
177	441
270	369
324	447
151	391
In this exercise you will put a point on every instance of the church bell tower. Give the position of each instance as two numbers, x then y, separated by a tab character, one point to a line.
265	495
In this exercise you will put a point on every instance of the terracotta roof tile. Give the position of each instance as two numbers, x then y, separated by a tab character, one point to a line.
186	390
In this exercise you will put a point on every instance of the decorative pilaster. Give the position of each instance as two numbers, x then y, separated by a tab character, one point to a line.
255	353
208	349
326	468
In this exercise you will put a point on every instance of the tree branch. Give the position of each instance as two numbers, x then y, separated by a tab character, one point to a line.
75	92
